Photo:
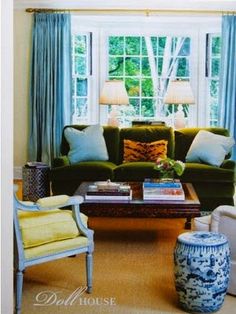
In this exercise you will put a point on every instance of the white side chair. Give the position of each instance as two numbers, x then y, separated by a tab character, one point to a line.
223	220
44	233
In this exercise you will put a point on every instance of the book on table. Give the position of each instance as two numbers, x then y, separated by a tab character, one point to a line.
163	190
151	183
107	190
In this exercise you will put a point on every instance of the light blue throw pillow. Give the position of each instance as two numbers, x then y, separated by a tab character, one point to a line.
86	145
209	148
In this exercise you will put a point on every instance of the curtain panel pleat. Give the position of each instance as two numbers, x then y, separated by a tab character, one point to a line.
227	88
50	84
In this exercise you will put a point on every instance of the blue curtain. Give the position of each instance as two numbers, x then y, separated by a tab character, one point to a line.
50	84
227	98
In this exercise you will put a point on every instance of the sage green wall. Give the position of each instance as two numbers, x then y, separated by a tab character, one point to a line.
22	42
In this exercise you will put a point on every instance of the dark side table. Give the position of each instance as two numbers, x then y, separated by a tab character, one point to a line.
36	182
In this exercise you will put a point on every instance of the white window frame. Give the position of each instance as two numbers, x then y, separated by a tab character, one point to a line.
203	87
93	90
194	27
169	31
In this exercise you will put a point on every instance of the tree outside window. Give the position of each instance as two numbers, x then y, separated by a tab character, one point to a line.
146	64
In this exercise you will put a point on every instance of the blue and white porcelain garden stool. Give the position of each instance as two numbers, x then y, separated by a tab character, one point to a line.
202	264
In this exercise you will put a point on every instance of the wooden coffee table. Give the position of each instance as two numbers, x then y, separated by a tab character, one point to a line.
137	207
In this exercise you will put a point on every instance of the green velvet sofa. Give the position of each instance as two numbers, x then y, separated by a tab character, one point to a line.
214	185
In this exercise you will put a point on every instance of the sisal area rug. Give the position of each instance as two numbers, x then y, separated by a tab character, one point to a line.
133	273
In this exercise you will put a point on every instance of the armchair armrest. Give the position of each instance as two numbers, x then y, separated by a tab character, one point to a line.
219	212
60	161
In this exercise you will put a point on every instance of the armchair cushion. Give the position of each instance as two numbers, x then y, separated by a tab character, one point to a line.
55	247
46	226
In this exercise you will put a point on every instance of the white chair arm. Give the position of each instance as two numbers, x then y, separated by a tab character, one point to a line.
225	210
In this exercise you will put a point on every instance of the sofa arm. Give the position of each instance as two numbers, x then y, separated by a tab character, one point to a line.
228	164
60	162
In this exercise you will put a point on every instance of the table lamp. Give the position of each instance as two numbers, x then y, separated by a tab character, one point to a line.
179	92
114	94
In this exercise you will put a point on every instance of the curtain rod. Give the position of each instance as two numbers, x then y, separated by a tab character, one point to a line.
146	12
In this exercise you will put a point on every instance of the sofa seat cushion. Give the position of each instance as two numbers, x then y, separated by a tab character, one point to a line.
85	171
195	172
135	171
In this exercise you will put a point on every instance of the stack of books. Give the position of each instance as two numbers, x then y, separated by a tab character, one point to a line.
148	122
161	190
106	190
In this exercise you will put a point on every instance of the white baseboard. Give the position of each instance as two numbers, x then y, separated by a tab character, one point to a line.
18	173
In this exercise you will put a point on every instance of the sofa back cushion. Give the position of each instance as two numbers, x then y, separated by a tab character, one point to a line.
111	136
184	138
147	134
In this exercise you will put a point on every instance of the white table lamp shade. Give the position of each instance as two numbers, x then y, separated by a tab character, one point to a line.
179	92
114	93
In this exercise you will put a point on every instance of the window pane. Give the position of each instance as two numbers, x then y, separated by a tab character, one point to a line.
160	65
154	41
80	44
216	45
146	71
161	45
214	88
135	103
132	45
82	87
116	66
132	66
144	47
185	49
183	67
214	113
80	65
147	108
215	67
147	87
81	107
73	86
116	45
173	44
132	87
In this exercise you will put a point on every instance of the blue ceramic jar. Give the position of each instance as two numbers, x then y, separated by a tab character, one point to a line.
202	265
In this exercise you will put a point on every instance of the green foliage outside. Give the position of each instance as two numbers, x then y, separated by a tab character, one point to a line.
128	60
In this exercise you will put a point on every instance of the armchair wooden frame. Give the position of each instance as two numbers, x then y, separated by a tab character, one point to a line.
21	262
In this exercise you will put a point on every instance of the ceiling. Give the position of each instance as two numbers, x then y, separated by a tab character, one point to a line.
129	4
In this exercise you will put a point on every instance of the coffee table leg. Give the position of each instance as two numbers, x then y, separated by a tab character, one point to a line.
187	224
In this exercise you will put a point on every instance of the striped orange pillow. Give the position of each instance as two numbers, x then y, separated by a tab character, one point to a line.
140	151
134	151
157	149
